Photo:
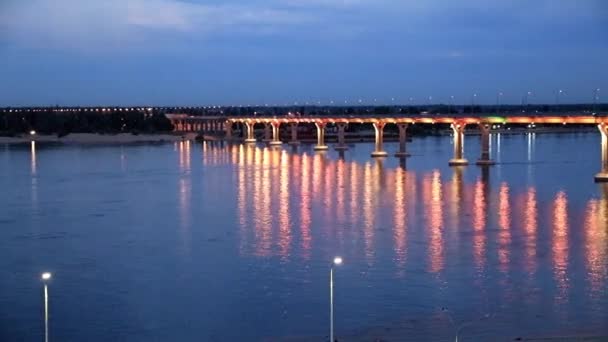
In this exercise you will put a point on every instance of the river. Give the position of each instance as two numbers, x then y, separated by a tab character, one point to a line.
188	241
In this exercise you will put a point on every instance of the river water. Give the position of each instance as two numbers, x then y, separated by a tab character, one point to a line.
215	242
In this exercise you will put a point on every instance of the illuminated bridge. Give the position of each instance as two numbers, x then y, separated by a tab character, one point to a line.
272	126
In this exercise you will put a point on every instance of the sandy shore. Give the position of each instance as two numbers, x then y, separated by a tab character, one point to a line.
92	138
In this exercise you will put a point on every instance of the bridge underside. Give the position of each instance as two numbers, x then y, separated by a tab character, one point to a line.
272	125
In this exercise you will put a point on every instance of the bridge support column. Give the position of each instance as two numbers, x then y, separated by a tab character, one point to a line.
228	128
378	150
320	136
458	128
603	175
275	134
267	132
294	134
402	153
249	134
341	144
484	159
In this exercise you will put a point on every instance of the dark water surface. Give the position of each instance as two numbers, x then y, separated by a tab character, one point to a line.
212	242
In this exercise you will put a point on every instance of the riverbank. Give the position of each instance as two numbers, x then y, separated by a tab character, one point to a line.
93	138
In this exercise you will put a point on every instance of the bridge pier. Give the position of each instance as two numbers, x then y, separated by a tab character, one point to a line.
484	159
341	144
267	132
275	134
402	153
228	129
320	136
249	133
602	176
458	128
294	134
378	150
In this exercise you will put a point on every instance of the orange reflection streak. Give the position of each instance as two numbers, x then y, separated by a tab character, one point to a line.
340	206
530	226
400	218
354	192
595	243
236	153
456	195
284	222
305	210
432	198
560	243
184	155
368	214
328	193
185	192
265	212
316	174
262	240
504	222
242	198
479	223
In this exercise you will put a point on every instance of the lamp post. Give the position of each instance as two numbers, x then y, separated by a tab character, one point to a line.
459	328
498	96
596	97
473	103
337	261
411	104
451	104
558	94
46	277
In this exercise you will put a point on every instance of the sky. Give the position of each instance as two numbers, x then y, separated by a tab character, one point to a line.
277	52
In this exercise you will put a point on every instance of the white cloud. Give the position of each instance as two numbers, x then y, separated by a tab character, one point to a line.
87	25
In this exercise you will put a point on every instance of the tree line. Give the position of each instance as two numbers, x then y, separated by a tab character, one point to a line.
49	121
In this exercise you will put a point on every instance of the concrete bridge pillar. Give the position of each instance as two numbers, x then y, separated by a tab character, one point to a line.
603	175
341	143
484	159
378	150
320	136
267	132
458	128
249	134
276	139
294	134
228	129
402	153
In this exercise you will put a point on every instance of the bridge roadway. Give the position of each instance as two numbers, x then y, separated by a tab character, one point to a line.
457	123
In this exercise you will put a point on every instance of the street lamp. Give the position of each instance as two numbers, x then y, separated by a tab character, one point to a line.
451	104
498	96
558	93
46	277
337	262
473	103
525	101
459	328
596	97
411	104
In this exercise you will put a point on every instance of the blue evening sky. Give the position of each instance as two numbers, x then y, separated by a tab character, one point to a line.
178	52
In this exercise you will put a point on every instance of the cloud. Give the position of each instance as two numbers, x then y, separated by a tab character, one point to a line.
77	24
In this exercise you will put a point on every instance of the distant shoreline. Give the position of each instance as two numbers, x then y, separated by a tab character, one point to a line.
94	138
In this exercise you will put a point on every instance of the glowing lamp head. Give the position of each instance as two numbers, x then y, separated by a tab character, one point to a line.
337	261
32	132
46	276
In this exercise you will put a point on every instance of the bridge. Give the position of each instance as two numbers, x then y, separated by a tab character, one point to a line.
272	126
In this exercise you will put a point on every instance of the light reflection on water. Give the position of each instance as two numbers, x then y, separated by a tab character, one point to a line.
255	226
